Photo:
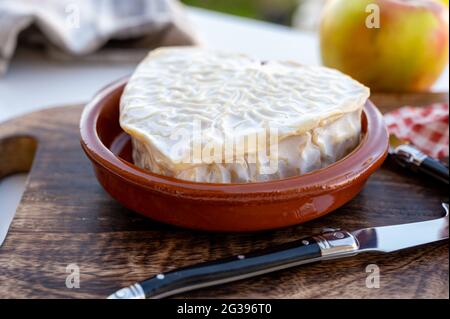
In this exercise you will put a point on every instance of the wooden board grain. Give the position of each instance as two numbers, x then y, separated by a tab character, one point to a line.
66	218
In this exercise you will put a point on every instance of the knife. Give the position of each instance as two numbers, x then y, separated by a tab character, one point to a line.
408	156
331	244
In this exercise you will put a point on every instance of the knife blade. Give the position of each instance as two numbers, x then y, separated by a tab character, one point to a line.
392	238
332	244
11	190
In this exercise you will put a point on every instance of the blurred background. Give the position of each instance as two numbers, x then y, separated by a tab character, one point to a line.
408	54
101	40
301	14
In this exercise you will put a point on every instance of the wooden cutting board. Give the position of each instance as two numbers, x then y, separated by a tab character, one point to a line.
66	218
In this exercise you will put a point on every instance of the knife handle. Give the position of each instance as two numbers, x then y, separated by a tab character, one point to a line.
326	246
410	157
435	168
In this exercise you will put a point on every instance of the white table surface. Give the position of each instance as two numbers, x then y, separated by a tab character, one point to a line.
50	83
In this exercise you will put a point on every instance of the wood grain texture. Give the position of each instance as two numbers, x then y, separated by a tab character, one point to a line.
65	217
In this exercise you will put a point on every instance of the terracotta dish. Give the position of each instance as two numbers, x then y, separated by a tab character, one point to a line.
223	207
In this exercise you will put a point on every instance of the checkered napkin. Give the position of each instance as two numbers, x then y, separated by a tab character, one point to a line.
424	127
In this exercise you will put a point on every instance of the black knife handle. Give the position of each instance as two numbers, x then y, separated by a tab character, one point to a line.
231	269
435	168
410	157
331	244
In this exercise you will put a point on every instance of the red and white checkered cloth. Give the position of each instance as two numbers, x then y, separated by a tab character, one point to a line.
424	127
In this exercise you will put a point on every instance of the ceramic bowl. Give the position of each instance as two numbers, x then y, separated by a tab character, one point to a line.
223	207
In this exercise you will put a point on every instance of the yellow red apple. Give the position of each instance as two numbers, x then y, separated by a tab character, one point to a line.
405	50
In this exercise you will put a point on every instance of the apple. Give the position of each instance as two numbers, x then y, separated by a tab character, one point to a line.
389	45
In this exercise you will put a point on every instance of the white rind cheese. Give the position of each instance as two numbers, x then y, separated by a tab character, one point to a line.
218	117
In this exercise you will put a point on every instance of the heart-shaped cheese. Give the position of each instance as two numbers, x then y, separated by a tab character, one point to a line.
209	116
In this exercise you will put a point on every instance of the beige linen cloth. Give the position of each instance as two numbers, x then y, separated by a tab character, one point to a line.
78	28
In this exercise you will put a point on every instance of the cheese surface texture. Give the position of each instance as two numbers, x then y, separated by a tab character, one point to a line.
219	117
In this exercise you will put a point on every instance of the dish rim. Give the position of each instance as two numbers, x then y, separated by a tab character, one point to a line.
357	165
